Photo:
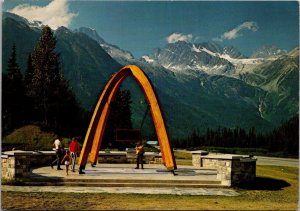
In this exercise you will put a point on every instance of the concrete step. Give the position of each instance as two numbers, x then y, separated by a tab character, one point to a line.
124	181
42	181
137	185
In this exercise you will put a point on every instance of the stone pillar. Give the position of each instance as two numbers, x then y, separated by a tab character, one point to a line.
196	157
232	169
16	164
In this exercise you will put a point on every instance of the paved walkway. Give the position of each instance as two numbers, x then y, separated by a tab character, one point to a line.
128	190
127	172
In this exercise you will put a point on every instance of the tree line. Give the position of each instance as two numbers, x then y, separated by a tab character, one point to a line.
282	139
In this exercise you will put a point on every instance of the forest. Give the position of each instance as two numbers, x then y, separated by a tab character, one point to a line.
283	140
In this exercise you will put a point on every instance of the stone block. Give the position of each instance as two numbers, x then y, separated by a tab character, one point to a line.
226	182
11	161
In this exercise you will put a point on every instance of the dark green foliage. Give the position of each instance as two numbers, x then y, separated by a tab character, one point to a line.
284	139
119	118
45	80
13	95
54	104
44	97
29	137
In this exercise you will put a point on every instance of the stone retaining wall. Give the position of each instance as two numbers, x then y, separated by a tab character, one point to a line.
128	157
232	169
15	165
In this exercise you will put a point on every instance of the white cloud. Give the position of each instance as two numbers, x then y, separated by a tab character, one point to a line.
179	37
237	31
55	14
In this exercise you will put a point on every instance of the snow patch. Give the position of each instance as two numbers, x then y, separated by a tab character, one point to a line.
196	49
147	59
242	61
115	52
209	52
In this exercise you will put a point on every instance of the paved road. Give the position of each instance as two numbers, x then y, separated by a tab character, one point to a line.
274	161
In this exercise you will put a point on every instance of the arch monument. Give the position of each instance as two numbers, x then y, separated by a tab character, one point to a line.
94	135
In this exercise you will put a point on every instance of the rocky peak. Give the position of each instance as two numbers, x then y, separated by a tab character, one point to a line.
268	51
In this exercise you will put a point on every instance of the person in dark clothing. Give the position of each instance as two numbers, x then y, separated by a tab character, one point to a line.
139	149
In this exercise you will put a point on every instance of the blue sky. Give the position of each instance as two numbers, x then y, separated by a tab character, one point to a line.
142	26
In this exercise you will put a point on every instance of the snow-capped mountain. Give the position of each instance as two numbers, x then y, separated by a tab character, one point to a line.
113	50
187	58
209	57
92	33
268	51
35	25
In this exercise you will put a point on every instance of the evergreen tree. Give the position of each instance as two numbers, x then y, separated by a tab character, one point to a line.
13	94
14	72
28	73
45	75
30	115
55	105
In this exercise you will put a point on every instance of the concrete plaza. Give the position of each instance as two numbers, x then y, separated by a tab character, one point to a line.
123	178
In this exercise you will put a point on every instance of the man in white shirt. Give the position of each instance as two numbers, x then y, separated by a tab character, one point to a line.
58	147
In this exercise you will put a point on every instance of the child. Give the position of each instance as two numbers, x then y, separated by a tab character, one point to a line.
67	159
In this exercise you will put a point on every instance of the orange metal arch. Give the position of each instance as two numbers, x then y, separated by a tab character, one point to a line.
96	128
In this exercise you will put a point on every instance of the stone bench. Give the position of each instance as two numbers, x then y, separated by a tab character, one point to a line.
127	157
232	169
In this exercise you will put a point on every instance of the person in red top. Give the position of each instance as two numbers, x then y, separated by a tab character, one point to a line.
74	149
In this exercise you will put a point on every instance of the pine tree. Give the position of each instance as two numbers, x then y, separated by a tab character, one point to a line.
30	114
55	105
13	94
14	72
28	73
44	80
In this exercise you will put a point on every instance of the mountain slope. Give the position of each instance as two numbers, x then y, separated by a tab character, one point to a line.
268	51
280	80
196	101
85	64
24	38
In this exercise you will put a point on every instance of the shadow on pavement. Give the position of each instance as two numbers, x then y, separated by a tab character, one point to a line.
265	183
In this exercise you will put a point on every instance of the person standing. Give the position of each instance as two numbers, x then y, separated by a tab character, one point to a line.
139	149
66	159
74	149
58	147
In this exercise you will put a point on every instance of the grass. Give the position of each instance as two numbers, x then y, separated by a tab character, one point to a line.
276	188
183	155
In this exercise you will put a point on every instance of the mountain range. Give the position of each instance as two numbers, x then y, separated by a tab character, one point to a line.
199	85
